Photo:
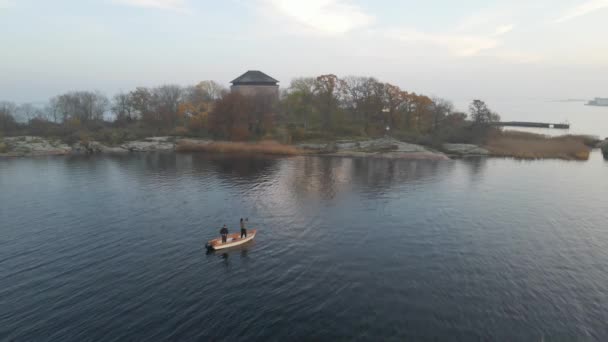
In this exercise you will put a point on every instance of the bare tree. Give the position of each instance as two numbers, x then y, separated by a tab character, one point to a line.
84	106
481	114
122	107
440	109
7	119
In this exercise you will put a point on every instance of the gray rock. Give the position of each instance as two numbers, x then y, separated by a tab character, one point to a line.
465	149
35	146
149	145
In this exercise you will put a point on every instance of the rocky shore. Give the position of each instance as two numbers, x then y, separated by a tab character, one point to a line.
375	148
30	146
389	148
25	146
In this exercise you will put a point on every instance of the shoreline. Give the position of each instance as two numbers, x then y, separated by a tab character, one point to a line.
379	148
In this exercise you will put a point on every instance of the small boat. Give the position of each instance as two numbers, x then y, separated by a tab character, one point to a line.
232	240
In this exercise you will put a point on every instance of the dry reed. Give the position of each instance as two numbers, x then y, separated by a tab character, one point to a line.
535	146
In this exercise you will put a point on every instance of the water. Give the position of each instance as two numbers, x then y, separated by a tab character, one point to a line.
583	119
111	248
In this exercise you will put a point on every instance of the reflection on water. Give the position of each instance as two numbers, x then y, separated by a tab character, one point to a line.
471	249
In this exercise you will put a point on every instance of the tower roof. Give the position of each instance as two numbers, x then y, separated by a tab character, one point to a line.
254	77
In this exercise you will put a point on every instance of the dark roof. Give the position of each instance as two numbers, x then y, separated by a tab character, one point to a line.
254	77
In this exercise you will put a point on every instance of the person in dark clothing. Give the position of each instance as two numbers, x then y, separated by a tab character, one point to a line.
224	233
243	229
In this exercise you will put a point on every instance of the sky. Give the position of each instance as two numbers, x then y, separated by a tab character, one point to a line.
549	49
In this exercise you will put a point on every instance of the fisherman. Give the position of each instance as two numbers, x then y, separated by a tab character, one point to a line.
224	233
243	229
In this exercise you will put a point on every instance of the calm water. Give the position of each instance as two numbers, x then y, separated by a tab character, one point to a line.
111	249
583	119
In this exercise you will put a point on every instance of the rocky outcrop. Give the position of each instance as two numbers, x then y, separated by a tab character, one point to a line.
465	150
375	148
33	146
95	147
150	145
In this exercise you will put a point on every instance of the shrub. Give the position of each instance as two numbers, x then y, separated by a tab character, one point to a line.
180	131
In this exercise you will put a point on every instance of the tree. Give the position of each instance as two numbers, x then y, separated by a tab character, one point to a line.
326	89
7	119
28	112
481	114
83	106
229	118
299	102
167	99
440	110
122	107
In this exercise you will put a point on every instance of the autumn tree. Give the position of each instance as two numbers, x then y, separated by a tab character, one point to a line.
326	90
299	102
229	118
197	103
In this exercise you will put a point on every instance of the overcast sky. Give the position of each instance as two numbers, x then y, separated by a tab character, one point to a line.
548	49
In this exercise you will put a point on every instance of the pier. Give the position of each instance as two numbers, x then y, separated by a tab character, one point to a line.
533	124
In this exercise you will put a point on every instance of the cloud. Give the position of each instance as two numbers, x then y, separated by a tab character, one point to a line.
173	5
6	4
323	16
583	9
459	44
503	30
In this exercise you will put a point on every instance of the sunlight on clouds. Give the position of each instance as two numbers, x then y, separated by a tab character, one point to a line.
460	45
175	5
324	16
583	9
503	30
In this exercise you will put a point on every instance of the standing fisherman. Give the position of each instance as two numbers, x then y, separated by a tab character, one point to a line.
224	233
243	229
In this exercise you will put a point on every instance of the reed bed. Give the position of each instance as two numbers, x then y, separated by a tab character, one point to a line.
525	145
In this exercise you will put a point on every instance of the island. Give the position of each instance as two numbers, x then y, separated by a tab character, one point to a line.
325	115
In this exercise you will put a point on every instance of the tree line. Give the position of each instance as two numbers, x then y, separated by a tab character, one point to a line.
310	108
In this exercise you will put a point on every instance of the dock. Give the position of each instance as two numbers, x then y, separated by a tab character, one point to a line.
533	124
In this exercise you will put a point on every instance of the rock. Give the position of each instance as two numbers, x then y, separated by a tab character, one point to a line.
94	147
34	146
385	148
465	150
150	144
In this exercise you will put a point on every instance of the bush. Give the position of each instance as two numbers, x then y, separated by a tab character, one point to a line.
297	133
180	131
3	147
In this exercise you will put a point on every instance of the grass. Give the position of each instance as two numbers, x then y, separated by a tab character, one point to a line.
263	147
525	145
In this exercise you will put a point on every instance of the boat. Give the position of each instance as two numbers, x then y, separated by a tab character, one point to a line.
233	240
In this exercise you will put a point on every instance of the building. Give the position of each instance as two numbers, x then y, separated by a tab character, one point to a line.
255	83
598	101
